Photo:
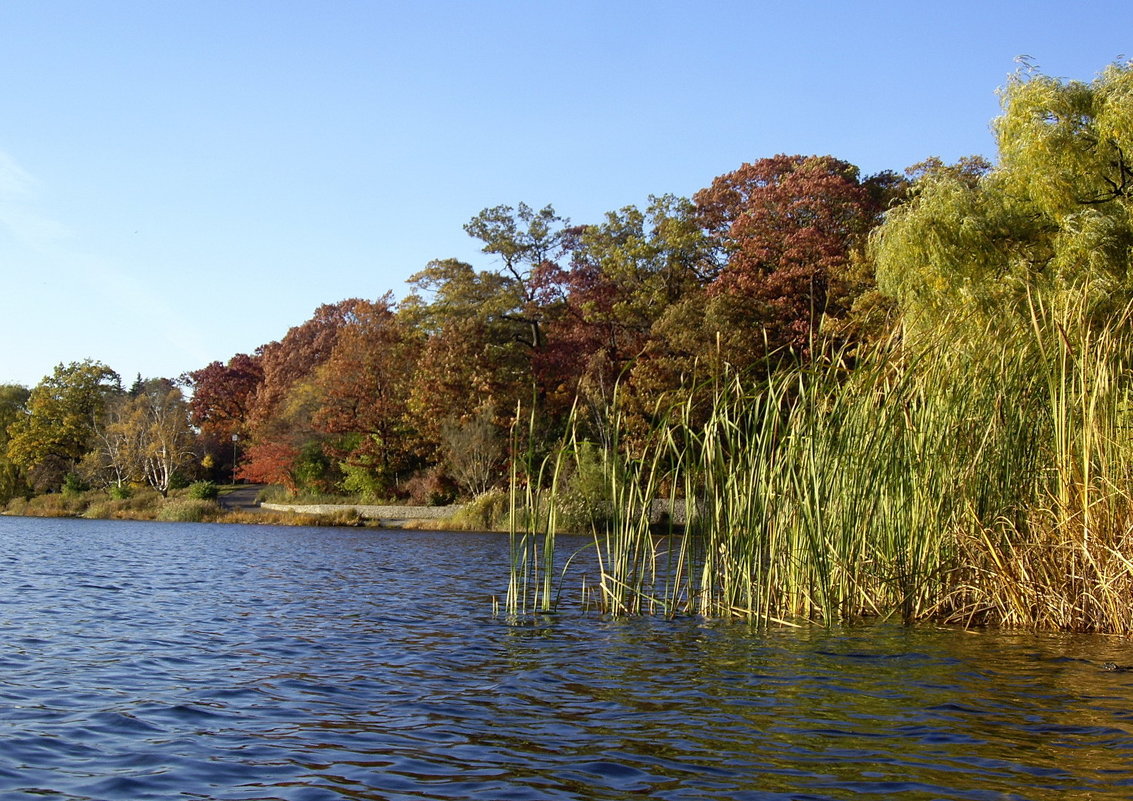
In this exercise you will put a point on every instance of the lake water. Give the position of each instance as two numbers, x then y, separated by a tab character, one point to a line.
163	661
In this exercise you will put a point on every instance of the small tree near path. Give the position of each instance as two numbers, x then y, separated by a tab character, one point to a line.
473	450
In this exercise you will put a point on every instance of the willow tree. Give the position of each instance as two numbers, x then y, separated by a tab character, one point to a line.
1052	222
1016	292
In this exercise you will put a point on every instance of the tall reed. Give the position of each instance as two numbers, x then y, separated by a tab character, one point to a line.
979	475
1066	563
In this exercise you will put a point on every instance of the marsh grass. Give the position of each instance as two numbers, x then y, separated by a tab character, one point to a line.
51	505
188	510
274	493
977	476
488	511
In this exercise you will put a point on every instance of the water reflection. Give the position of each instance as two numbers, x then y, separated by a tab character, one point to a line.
154	661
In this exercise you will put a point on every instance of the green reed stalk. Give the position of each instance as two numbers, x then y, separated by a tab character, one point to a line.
531	583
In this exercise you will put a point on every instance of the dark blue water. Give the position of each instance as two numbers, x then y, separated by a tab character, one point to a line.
171	661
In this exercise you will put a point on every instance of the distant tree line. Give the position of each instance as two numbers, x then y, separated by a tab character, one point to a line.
783	259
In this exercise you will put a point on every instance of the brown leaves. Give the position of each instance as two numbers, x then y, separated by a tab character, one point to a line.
786	224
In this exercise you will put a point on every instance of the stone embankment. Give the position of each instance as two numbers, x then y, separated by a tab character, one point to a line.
391	516
396	516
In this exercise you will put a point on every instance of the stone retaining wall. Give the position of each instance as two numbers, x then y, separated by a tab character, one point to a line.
392	514
384	513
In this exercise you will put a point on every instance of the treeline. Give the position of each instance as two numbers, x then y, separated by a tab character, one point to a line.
414	399
785	260
79	428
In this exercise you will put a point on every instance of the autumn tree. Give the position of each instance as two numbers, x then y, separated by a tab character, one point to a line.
272	462
462	370
220	406
280	413
363	389
786	226
472	357
627	270
52	438
13	406
223	394
625	274
294	358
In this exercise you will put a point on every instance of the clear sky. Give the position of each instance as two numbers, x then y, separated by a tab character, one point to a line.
183	181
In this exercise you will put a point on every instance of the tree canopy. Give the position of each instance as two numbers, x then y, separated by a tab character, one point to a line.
1052	219
54	436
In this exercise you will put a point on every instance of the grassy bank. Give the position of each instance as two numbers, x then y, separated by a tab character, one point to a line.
980	476
180	506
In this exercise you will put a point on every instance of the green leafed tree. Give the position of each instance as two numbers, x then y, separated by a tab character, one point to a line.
628	270
525	241
13	407
53	437
1052	222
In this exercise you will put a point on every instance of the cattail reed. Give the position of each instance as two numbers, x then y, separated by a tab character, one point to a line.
976	476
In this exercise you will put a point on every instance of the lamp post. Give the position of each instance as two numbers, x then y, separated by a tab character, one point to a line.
235	439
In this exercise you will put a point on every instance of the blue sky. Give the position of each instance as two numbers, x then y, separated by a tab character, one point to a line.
182	181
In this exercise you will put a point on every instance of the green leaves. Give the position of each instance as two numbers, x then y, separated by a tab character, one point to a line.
1053	218
62	410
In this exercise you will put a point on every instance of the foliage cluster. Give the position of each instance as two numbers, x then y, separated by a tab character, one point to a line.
871	394
972	466
412	400
203	491
78	428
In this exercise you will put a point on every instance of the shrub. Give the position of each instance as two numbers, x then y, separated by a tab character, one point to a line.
55	504
585	504
17	506
488	511
73	484
346	516
203	491
362	483
104	510
474	450
188	510
430	487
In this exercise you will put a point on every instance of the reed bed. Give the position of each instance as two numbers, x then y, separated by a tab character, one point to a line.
977	476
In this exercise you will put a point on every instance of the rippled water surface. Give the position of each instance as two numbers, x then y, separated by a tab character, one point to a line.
159	661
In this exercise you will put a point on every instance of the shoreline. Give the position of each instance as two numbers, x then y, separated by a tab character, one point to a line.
384	516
